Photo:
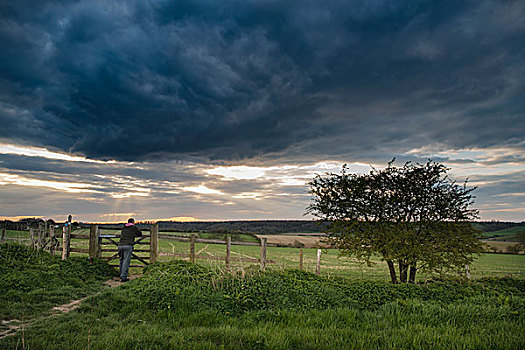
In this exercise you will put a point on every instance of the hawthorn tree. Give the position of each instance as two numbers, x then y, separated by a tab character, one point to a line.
413	216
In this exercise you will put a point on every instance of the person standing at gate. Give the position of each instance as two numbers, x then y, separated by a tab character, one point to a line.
125	247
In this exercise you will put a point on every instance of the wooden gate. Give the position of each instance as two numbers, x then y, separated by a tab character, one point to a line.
101	243
43	236
112	241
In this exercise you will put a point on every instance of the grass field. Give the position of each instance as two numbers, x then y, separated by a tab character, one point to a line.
186	306
508	233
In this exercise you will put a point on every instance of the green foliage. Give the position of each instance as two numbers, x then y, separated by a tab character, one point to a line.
412	215
513	249
33	280
521	239
187	287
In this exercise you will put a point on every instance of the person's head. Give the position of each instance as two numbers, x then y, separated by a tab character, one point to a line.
131	221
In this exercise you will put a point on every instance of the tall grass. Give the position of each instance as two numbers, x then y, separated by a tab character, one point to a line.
32	281
475	323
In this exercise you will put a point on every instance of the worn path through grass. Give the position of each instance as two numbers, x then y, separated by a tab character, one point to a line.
15	325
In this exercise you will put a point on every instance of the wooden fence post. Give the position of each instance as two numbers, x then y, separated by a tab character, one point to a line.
264	243
2	239
99	246
93	241
32	235
154	243
318	266
301	259
41	233
52	240
192	248
66	240
228	252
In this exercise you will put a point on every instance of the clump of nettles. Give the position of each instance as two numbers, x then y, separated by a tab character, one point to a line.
182	286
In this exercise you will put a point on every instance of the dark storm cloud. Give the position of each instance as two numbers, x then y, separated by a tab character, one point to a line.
228	80
170	171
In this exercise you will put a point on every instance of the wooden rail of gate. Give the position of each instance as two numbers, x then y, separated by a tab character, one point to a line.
111	240
98	244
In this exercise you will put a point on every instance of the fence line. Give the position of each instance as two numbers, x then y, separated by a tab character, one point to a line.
96	241
181	238
45	237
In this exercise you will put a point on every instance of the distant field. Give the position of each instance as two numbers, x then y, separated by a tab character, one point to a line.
501	247
309	241
507	233
19	235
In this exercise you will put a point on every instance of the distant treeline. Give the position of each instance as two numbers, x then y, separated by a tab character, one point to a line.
490	226
231	227
263	226
275	226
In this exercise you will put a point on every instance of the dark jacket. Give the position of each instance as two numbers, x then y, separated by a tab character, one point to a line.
128	234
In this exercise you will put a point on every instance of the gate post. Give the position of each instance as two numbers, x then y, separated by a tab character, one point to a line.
32	234
52	239
41	233
154	247
2	239
93	241
99	245
66	240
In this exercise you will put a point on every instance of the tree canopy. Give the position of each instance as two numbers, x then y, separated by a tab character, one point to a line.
414	216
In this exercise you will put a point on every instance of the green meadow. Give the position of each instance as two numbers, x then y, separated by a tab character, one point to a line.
175	304
507	234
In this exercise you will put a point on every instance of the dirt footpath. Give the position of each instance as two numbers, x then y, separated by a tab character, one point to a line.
14	326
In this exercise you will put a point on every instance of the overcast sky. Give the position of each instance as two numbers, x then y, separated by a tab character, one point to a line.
218	110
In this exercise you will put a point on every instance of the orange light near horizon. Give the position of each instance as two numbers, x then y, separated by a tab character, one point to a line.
20	217
138	219
178	218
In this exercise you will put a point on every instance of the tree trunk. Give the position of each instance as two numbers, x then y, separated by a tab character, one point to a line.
413	270
392	270
403	270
